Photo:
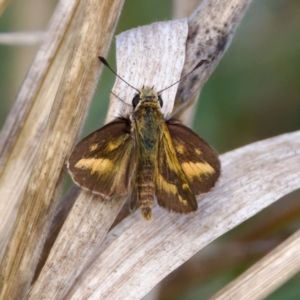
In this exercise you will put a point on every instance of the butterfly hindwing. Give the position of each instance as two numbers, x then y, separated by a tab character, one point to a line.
198	160
172	189
104	161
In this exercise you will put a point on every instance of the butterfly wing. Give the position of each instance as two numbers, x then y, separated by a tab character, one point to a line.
104	161
172	188
198	160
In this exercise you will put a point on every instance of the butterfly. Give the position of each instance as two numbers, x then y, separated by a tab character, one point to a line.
144	156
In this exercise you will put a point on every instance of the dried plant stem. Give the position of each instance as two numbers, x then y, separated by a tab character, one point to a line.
22	38
35	80
61	213
21	134
83	231
94	31
267	274
211	28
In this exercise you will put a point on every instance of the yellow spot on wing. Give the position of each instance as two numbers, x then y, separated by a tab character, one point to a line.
198	151
183	201
96	165
197	169
112	145
180	149
93	147
171	188
185	186
168	187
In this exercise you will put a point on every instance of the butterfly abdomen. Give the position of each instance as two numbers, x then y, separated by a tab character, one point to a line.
146	188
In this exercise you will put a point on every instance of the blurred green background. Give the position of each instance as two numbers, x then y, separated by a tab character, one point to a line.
253	94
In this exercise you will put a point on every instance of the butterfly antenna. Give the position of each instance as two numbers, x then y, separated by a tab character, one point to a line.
103	60
121	99
199	64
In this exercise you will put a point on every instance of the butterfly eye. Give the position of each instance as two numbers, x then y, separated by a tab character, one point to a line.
160	101
135	100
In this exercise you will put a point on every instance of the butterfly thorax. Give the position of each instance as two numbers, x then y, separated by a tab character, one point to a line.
147	120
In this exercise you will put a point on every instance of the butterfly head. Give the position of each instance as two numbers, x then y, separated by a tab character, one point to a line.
147	97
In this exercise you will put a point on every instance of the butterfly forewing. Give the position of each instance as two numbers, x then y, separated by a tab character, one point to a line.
172	189
104	161
198	160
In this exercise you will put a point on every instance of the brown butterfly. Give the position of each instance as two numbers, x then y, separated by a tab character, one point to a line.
146	156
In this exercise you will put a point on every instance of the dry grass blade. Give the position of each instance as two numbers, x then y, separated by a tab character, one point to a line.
136	254
83	231
61	212
68	111
34	81
267	274
22	38
21	134
146	58
253	177
211	28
